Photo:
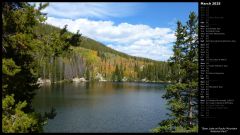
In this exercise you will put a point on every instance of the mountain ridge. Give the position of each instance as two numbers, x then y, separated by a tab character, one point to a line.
90	59
92	44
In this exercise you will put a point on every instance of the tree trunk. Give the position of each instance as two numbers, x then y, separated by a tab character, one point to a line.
190	112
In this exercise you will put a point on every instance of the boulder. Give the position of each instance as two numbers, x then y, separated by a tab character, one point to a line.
82	79
100	78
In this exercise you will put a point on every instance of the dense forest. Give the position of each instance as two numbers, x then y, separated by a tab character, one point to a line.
91	60
33	50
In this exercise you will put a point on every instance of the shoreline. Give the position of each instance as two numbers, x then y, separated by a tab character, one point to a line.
95	81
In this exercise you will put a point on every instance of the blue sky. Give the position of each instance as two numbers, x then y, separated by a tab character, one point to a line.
139	29
160	14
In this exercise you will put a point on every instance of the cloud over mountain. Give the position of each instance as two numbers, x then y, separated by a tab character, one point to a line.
134	39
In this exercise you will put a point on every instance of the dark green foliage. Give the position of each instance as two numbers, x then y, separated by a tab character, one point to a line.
32	49
75	40
19	72
64	30
19	20
87	74
118	74
154	72
15	120
182	96
77	62
9	67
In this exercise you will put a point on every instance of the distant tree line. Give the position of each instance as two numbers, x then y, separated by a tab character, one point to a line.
32	50
86	58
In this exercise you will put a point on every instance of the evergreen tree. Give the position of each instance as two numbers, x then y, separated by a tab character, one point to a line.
121	72
182	96
18	25
87	74
19	67
15	120
178	48
75	40
117	75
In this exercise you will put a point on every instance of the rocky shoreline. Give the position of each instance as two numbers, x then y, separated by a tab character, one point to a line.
82	80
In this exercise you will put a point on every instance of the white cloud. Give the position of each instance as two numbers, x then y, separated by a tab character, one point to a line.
89	10
137	40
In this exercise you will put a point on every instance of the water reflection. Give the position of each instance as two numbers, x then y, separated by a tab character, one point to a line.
102	106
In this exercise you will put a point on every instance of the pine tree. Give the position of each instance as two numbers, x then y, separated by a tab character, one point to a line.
75	40
19	20
182	96
19	67
117	75
87	74
178	48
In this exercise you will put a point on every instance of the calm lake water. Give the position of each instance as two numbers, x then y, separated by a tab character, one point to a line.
102	106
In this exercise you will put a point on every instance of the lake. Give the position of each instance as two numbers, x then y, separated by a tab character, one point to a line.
102	106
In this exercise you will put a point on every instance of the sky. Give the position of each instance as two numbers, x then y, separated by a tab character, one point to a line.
139	29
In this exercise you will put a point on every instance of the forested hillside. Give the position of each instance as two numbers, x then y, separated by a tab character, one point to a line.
91	60
33	51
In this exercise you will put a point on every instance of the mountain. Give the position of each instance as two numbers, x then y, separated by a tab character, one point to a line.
93	61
